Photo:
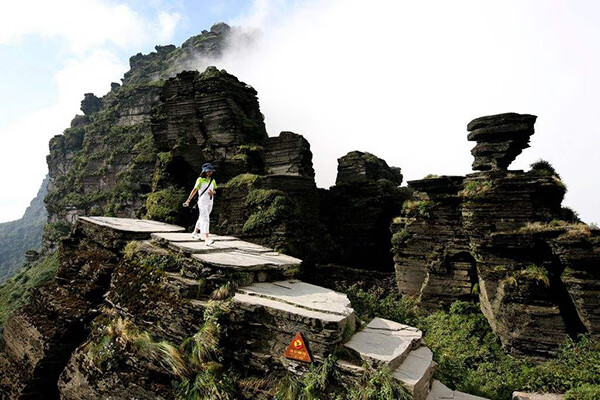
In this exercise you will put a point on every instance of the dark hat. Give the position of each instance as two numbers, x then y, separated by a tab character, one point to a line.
207	167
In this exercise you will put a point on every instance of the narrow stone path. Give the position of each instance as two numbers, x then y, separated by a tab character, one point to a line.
271	311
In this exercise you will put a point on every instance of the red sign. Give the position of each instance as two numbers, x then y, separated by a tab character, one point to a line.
298	349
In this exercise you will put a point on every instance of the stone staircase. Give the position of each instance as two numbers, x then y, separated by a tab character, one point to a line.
269	312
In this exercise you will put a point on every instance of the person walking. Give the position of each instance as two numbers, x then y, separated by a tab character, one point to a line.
206	186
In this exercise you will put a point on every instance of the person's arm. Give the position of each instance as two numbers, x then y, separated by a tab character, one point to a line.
214	188
190	197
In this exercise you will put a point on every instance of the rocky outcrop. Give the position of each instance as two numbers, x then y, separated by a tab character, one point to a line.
288	154
39	338
500	139
163	290
208	117
359	167
358	210
431	246
499	236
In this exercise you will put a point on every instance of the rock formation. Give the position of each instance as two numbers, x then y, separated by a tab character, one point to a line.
500	139
358	210
163	291
500	236
358	167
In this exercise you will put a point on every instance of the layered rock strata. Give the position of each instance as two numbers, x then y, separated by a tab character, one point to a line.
358	211
498	236
160	287
500	139
40	337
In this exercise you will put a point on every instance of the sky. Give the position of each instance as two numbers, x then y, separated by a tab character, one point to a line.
399	79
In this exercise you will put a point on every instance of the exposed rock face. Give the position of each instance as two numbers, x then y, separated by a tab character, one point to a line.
358	210
359	167
278	310
157	292
438	265
90	104
288	154
209	117
193	54
40	337
500	139
498	236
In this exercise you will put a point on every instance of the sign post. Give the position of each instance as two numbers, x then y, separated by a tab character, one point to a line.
298	349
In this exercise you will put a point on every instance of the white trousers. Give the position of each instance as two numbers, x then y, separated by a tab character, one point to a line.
203	223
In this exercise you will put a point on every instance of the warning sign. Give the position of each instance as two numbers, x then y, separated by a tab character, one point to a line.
298	349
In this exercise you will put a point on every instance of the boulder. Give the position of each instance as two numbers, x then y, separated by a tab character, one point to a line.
500	139
288	154
357	167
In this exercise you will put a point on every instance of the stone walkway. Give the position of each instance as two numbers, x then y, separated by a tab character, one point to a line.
283	307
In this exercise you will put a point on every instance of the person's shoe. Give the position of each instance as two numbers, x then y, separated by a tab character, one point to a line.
196	236
209	242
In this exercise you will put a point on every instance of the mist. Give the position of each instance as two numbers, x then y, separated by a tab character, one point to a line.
402	80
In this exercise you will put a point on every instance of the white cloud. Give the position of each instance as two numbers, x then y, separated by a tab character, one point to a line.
83	24
88	29
167	24
402	79
25	142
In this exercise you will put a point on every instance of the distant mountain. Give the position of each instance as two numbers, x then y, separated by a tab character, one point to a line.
16	237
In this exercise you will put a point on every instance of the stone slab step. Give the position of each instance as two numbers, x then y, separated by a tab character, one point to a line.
133	225
537	396
243	261
416	371
384	342
439	391
300	298
187	237
200	247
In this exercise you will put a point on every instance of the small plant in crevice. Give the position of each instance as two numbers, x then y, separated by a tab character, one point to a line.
224	291
320	382
475	189
417	207
375	302
378	385
537	273
544	168
532	272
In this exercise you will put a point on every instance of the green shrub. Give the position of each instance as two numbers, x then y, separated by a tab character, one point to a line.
470	358
54	231
543	167
262	197
569	215
577	363
375	303
280	208
584	392
15	291
378	385
400	237
537	273
243	180
476	188
418	207
165	205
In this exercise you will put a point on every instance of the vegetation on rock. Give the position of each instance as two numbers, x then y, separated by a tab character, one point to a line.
470	357
15	292
16	237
